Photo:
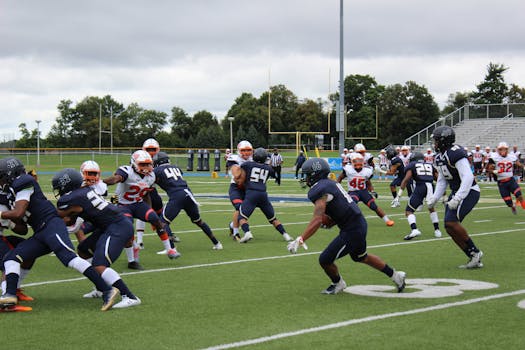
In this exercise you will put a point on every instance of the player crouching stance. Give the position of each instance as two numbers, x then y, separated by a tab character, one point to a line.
331	199
501	164
114	230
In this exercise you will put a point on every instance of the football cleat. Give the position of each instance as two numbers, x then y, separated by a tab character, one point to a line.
390	223
93	294
109	297
174	239
16	308
412	234
287	237
247	237
127	302
335	288
474	262
173	253
217	246
8	300
437	233
395	205
236	237
134	265
399	279
22	296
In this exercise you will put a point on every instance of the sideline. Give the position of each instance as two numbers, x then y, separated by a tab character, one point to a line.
363	320
287	256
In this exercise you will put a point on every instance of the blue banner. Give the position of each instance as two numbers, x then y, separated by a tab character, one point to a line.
335	163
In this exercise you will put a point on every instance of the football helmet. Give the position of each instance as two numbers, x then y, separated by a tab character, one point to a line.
383	151
151	146
405	150
161	158
417	156
10	169
357	161
390	152
444	137
245	149
315	169
260	155
66	180
478	147
141	162
429	150
503	148
360	148
90	172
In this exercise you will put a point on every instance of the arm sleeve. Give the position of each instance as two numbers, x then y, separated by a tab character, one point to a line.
441	186
466	176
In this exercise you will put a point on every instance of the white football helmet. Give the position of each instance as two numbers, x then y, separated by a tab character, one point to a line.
151	146
357	161
245	149
360	148
503	148
142	162
90	172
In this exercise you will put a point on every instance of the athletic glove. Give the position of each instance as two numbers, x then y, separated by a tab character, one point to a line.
395	201
431	202
453	203
294	245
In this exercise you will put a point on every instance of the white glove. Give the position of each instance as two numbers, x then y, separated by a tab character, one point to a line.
295	244
395	201
431	202
71	229
453	203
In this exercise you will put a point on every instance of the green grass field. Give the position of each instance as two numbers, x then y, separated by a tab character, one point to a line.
259	296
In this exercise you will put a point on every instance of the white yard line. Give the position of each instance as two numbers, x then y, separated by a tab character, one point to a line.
286	256
363	320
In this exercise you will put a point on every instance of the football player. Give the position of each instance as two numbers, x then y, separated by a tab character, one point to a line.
502	165
429	156
397	168
453	168
486	156
360	187
368	157
113	232
477	160
50	234
134	183
423	175
236	192
329	198
405	154
169	178
345	156
253	178
384	164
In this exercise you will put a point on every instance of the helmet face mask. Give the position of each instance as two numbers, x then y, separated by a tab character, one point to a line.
151	146
245	149
315	170
65	181
90	172
358	162
444	137
141	162
503	149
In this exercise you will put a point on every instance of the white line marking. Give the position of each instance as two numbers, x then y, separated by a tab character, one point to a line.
479	221
221	263
363	320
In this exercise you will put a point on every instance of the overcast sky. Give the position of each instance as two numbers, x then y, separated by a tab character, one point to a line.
202	54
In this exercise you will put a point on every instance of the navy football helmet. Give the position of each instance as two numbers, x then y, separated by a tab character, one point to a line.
315	169
260	155
417	156
66	180
444	137
390	152
10	169
161	158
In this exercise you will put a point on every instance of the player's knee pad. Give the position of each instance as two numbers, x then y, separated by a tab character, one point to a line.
78	264
12	266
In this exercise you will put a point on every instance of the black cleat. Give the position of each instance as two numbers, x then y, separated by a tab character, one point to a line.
135	266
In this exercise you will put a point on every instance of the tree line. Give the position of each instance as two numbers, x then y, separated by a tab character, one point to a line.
402	109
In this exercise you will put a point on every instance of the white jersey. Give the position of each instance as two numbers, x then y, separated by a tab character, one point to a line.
405	159
237	159
134	187
383	160
477	156
357	179
429	157
345	158
504	165
516	153
487	156
100	187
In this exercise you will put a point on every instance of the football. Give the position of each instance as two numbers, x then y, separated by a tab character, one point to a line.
326	221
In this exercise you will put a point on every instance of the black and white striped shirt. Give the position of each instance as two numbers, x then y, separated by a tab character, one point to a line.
276	159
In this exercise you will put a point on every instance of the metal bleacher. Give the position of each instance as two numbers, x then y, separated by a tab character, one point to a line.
484	125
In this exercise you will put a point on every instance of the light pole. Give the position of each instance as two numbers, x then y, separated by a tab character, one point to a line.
231	133
38	142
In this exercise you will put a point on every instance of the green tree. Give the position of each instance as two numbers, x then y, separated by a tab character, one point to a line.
516	94
181	124
493	88
457	100
28	139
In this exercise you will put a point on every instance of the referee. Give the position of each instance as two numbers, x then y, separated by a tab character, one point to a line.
276	160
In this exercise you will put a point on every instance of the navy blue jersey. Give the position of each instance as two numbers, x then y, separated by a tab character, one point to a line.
445	163
256	175
95	208
169	178
40	209
421	171
400	168
340	207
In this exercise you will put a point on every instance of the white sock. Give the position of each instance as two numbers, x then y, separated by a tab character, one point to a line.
411	219
385	218
166	244
434	217
3	285
129	254
23	274
235	230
